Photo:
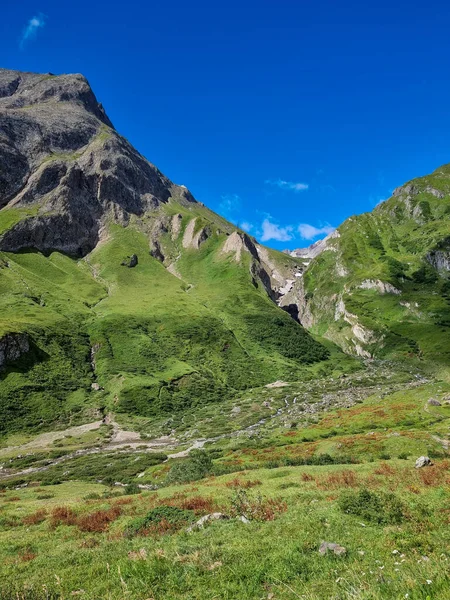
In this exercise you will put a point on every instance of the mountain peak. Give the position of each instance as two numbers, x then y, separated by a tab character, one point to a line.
64	170
19	90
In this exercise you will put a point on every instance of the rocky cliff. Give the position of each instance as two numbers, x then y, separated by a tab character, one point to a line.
64	170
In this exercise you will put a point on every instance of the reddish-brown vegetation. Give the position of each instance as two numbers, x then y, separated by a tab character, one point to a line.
27	555
243	483
340	479
385	469
62	515
199	504
99	520
34	519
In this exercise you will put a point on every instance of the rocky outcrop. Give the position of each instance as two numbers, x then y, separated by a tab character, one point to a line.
201	236
156	252
130	261
317	248
12	347
188	235
439	259
237	243
176	226
61	157
383	287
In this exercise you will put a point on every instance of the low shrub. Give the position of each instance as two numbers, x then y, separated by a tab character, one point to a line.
34	519
62	515
45	496
340	479
381	508
257	508
162	519
132	488
99	520
288	484
92	496
242	483
197	466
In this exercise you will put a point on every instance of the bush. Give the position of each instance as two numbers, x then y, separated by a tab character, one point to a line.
425	274
132	488
256	508
161	519
197	466
92	496
378	508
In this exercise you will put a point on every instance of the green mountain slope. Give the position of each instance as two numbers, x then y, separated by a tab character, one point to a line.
381	286
152	341
118	291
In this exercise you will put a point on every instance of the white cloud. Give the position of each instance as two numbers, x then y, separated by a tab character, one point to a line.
271	231
246	226
288	185
309	232
30	31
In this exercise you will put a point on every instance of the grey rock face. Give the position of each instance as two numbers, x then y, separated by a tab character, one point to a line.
423	461
63	161
12	347
315	249
439	259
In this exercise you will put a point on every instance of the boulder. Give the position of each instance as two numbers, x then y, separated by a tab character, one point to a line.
206	519
243	519
423	461
336	549
12	346
131	261
433	402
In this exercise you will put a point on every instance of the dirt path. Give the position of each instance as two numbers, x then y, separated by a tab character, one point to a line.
44	440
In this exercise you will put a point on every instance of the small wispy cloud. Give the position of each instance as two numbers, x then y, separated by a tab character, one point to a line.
288	185
31	29
229	204
246	226
309	232
272	231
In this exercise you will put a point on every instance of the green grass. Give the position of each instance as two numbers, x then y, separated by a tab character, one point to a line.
228	558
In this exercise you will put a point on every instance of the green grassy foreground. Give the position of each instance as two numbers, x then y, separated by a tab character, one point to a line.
343	474
58	545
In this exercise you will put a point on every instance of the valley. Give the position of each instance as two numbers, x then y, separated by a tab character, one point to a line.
188	414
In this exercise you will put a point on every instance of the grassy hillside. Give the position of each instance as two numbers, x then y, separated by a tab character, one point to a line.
153	342
397	244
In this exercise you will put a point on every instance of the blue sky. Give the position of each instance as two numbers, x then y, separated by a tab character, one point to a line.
287	117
